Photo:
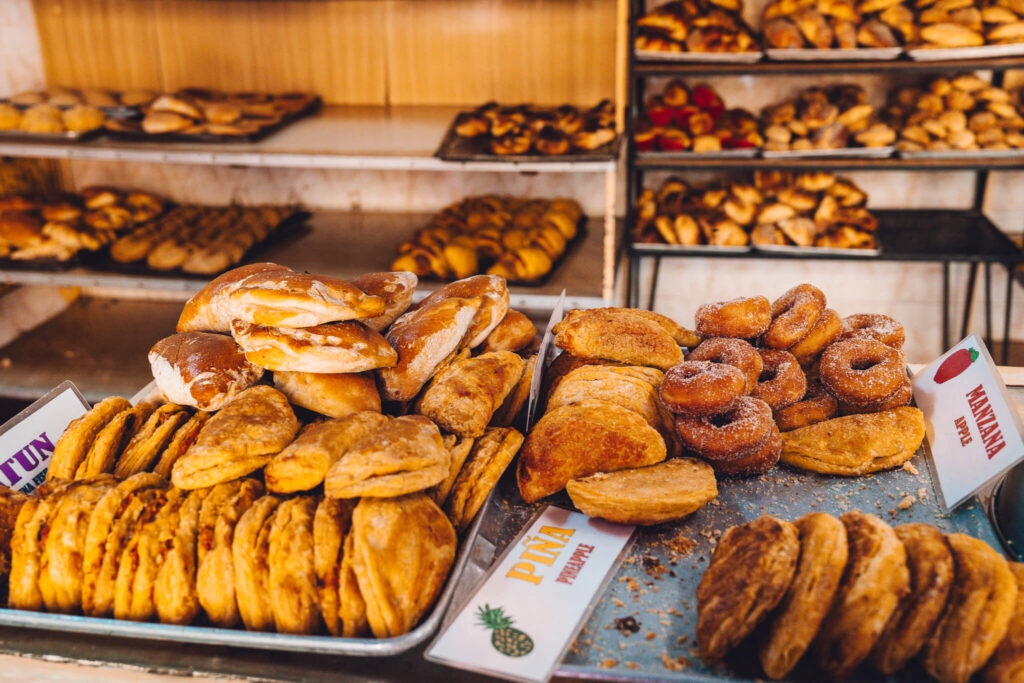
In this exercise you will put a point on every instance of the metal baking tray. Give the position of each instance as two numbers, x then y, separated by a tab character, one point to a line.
955	154
795	250
846	152
741	153
814	55
656	248
925	54
67	136
453	147
701	57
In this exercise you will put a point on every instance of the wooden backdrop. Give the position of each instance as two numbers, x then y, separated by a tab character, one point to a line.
348	51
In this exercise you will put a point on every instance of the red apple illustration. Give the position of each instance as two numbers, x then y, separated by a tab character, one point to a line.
957	362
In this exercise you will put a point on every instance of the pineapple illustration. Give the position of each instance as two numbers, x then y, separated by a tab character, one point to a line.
505	639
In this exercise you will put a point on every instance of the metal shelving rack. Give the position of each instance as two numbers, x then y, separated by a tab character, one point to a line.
954	236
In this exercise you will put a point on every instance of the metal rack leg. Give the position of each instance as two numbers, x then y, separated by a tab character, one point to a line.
1011	270
988	304
945	305
654	283
633	289
972	280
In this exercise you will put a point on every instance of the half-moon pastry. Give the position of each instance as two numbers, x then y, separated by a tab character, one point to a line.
174	593
487	461
74	443
329	348
331	522
492	290
395	288
249	548
617	334
334	394
149	441
292	577
514	333
464	396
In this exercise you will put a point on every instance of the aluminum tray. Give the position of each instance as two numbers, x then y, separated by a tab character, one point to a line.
811	251
701	57
744	153
815	55
66	136
845	153
963	154
924	54
660	248
456	148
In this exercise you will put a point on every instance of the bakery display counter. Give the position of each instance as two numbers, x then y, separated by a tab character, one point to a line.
345	245
339	137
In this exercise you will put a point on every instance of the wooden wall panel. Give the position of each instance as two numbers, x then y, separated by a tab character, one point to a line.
349	51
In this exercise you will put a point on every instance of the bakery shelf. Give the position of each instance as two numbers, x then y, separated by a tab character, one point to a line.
769	68
347	244
336	137
966	163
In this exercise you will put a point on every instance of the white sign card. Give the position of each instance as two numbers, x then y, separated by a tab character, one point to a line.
518	623
974	432
27	439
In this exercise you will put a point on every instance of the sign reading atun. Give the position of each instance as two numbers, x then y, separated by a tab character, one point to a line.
974	433
520	620
27	440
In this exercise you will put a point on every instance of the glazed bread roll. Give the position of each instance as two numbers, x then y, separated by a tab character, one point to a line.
333	394
269	294
201	369
333	348
395	288
493	294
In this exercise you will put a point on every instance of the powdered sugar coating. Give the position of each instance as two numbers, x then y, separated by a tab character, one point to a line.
743	318
782	381
702	387
793	315
874	326
861	370
735	352
727	434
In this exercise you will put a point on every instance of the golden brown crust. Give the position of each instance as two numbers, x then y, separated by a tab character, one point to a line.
395	288
250	546
74	443
491	290
513	333
930	562
332	394
200	369
238	440
632	387
464	396
508	412
875	580
1007	664
179	444
352	612
108	444
331	522
304	463
200	314
174	592
792	627
660	493
150	440
330	348
487	461
458	451
978	613
133	584
617	334
582	439
292	577
403	549
748	575
856	444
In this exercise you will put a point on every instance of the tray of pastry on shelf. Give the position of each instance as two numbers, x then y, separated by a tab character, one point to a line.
798	213
530	133
277	486
56	233
201	115
957	116
826	30
198	241
698	31
981	29
522	240
50	123
117	104
836	121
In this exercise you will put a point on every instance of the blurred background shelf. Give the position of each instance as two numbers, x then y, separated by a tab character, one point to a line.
967	162
647	67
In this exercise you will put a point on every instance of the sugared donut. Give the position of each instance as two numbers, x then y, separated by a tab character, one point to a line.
793	315
735	352
900	397
757	460
816	406
743	318
702	388
781	383
825	331
861	371
874	326
734	431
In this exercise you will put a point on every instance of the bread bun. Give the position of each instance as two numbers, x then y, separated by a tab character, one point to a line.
336	347
492	290
20	229
201	370
395	288
335	394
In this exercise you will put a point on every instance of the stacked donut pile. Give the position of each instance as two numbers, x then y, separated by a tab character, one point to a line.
766	367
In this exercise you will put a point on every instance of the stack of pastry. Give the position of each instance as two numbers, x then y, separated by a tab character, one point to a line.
805	209
529	129
769	379
964	112
696	26
684	119
60	228
853	590
519	239
830	118
199	239
49	119
604	437
840	24
93	97
198	111
964	23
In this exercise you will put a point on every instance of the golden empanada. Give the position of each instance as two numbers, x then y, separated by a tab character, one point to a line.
1007	664
304	463
403	550
458	451
659	493
292	577
582	439
179	444
174	593
148	442
508	412
464	396
331	522
74	443
488	459
404	456
352	609
249	548
27	546
617	334
106	448
238	440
